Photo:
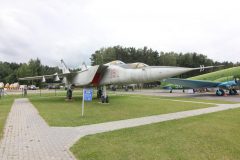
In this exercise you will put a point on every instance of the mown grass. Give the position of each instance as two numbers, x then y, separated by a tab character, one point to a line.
224	79
191	99
47	93
5	106
58	112
213	136
218	75
218	101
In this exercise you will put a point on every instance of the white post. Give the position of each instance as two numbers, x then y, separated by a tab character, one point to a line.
83	102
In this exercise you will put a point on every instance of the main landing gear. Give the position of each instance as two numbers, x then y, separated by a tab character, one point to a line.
220	92
69	92
102	94
233	92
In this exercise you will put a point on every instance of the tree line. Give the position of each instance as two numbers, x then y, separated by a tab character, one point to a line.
155	58
10	72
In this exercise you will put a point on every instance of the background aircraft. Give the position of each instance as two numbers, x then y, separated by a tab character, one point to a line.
115	72
196	84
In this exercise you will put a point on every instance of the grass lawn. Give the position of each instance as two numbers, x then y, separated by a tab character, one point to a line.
58	112
213	136
220	76
5	106
218	101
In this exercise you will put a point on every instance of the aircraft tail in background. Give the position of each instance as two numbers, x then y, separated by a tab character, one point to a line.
64	67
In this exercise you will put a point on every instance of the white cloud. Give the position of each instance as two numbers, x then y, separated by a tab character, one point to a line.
73	30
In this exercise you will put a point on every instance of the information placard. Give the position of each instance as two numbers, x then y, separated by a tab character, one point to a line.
88	93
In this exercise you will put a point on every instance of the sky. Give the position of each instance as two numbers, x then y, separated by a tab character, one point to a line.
73	30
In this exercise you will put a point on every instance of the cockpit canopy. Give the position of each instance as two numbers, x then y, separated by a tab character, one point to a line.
136	65
117	62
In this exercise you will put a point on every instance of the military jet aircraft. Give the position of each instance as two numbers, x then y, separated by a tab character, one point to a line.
196	84
115	72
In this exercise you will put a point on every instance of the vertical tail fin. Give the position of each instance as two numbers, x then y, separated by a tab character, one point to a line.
64	67
83	67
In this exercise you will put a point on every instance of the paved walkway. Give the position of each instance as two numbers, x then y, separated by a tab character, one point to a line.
27	135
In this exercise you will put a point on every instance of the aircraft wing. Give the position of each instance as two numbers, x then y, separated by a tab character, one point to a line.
89	76
32	78
193	83
55	76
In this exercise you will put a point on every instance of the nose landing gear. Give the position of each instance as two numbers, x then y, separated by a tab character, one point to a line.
220	92
102	94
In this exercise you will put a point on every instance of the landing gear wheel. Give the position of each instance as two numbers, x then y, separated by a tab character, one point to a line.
231	92
104	99
107	100
69	93
220	92
235	91
223	93
99	93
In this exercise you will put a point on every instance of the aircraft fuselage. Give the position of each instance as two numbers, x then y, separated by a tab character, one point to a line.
119	75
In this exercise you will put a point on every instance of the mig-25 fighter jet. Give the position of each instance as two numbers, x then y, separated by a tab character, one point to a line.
115	72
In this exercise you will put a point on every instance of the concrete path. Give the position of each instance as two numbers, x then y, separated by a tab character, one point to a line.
27	135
